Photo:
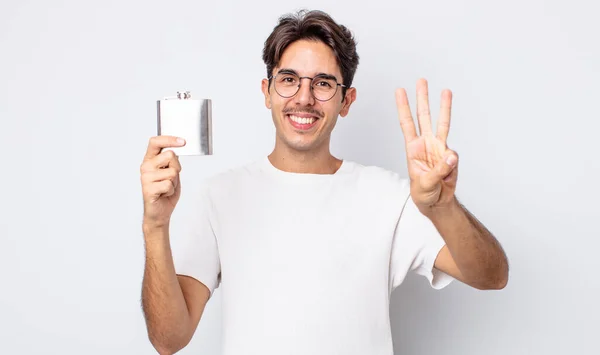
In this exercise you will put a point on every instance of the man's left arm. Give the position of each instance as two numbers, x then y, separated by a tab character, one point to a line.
472	254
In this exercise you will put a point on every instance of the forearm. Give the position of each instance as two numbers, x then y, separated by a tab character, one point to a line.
165	309
476	252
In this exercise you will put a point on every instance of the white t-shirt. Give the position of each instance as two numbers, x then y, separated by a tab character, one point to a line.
307	262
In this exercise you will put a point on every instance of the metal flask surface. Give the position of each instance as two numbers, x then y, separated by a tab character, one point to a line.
188	118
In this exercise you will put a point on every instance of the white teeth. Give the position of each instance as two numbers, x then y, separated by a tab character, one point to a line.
302	120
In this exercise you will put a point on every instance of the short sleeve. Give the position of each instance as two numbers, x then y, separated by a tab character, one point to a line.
416	245
193	241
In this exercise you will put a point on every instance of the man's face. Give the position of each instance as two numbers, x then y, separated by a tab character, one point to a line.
302	122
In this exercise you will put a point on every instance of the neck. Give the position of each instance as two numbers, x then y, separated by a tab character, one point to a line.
317	161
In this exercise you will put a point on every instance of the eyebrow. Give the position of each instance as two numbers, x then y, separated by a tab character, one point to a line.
292	71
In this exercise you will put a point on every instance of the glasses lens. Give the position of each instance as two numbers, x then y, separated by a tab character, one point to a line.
286	84
324	88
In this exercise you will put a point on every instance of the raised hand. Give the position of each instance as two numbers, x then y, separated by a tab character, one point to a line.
160	180
432	167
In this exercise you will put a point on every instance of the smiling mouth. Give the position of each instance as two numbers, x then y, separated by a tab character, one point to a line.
302	121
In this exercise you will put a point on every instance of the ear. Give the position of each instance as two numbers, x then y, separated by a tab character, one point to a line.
265	90
348	100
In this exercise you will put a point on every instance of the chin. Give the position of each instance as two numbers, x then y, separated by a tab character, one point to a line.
301	145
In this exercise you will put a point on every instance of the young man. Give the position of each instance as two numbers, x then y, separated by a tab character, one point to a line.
307	247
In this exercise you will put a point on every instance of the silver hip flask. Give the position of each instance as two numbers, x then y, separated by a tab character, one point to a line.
190	119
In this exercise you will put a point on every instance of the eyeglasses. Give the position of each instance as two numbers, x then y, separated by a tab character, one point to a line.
323	87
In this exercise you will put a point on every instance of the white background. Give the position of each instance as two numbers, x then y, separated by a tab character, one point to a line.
79	82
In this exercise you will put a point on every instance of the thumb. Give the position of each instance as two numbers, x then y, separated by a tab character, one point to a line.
441	170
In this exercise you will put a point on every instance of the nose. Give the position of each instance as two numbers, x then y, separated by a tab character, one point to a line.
304	95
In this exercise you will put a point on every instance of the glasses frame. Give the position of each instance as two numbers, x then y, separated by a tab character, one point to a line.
274	77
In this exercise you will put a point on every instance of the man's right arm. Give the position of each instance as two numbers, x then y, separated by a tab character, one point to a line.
172	304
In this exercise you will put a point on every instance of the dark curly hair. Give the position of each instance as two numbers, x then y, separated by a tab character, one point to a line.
313	25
